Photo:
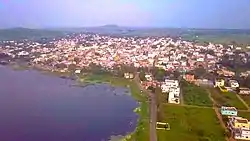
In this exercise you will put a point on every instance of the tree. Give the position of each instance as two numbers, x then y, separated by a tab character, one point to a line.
247	82
176	74
77	60
142	76
158	74
94	68
199	72
72	67
211	52
234	43
159	102
61	66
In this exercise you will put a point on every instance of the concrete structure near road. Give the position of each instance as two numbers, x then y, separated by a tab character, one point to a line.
239	127
228	111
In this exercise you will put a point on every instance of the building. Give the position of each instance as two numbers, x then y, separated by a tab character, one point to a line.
148	77
129	75
173	98
228	111
244	91
169	84
239	127
219	83
172	88
226	73
77	71
241	134
234	84
189	78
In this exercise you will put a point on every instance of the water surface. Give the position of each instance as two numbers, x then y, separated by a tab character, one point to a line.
37	107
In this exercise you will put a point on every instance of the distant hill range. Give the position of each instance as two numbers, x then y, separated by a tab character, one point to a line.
227	36
26	33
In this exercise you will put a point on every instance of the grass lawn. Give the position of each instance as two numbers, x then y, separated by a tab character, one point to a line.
142	130
246	98
226	99
195	95
191	124
244	114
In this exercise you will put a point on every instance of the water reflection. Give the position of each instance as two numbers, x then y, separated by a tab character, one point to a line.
36	107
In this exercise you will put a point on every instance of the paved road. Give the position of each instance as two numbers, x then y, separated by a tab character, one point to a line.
181	91
153	117
153	110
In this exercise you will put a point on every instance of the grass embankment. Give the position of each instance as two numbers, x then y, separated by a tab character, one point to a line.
195	95
246	98
142	130
244	114
191	124
18	67
226	99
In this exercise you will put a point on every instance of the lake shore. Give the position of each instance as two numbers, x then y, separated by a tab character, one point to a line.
142	129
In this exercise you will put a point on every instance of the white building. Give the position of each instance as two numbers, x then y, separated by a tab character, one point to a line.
172	98
148	77
169	84
173	89
233	83
239	127
77	71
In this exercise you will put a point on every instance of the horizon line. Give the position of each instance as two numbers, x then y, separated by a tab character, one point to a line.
118	26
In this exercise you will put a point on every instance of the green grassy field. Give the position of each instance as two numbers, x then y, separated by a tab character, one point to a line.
244	114
221	39
191	124
226	99
195	95
246	98
142	130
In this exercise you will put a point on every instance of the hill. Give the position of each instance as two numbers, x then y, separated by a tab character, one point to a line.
224	36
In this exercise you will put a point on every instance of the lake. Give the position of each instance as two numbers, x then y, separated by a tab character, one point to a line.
38	107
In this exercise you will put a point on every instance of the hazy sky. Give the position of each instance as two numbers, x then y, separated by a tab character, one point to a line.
154	13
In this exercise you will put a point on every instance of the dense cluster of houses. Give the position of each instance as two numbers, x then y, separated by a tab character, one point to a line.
239	127
170	88
224	85
78	51
83	49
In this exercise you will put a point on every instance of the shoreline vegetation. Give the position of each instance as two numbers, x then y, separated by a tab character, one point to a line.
141	131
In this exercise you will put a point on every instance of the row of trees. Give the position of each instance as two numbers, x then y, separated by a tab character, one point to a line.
159	103
236	61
